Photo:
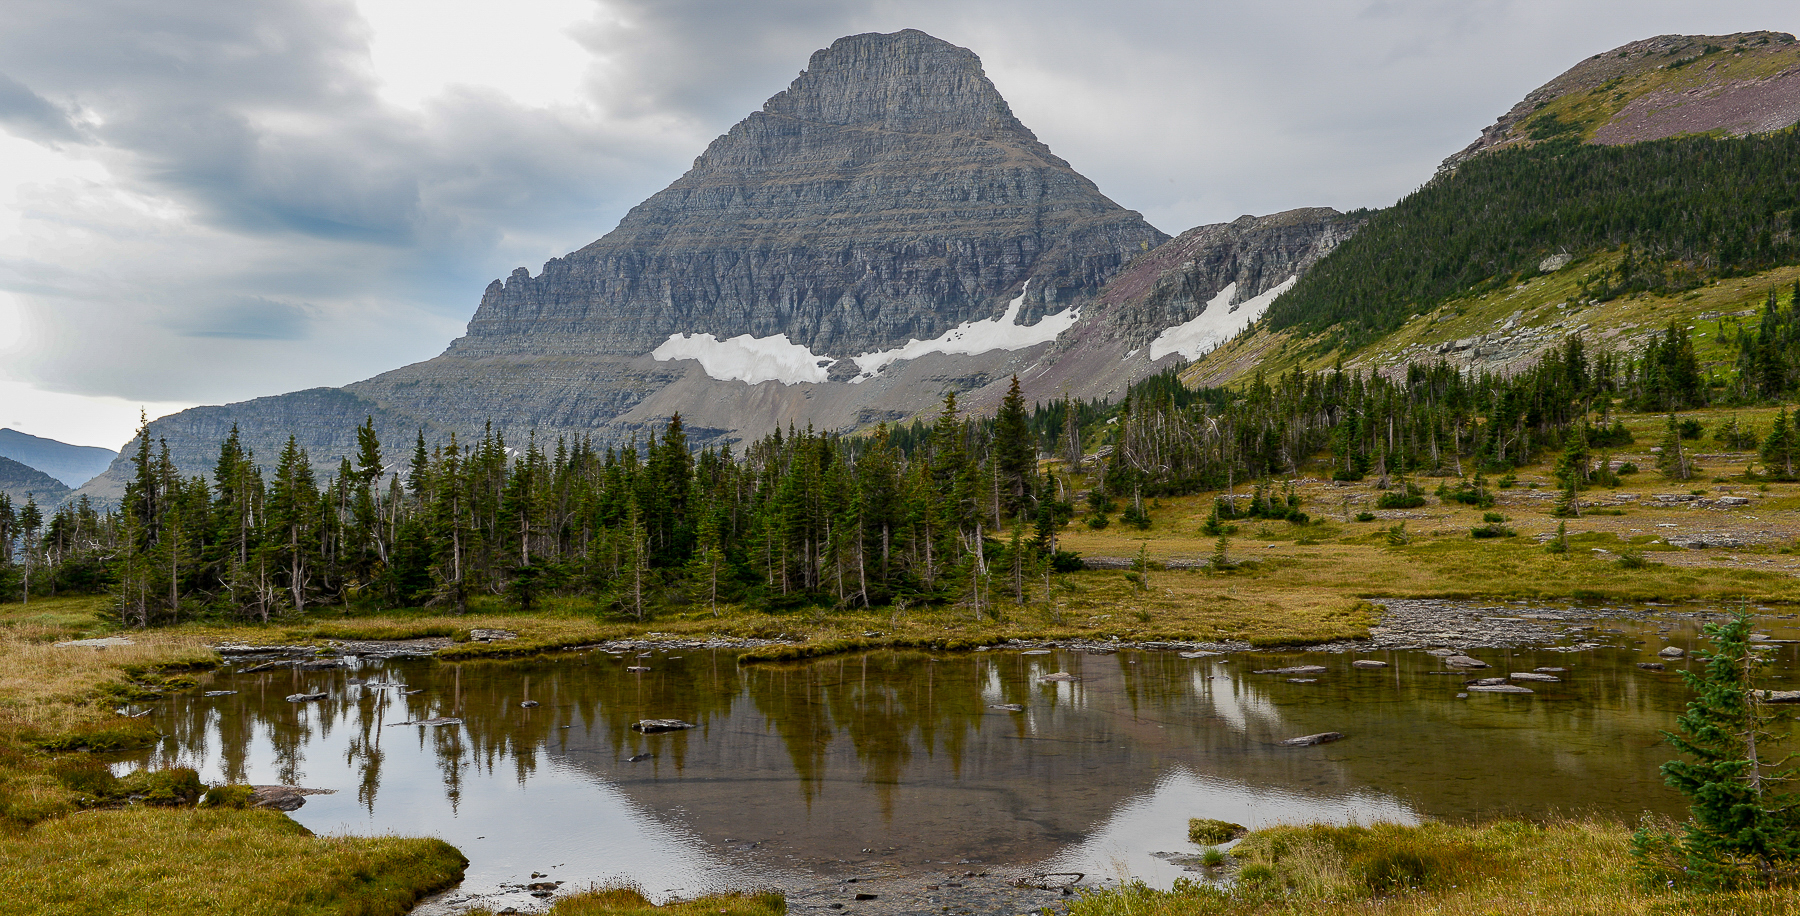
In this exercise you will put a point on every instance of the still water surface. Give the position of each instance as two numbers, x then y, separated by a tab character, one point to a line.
901	757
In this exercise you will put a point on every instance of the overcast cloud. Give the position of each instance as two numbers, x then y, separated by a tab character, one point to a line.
210	201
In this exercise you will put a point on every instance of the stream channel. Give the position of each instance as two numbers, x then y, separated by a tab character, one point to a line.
813	771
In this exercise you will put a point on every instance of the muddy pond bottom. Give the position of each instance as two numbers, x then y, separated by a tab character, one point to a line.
1036	760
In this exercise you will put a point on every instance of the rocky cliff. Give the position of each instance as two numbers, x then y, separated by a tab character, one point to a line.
881	232
1738	84
888	194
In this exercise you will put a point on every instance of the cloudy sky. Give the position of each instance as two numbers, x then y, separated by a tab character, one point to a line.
203	201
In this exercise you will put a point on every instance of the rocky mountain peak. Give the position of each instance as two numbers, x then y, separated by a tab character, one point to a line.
887	195
903	81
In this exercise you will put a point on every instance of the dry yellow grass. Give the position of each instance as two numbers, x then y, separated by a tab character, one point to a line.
628	901
1562	868
213	861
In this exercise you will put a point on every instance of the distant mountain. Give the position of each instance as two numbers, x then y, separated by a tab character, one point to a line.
19	481
72	464
1667	86
881	232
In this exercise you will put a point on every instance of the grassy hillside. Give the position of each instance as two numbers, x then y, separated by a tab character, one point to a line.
1518	321
1681	213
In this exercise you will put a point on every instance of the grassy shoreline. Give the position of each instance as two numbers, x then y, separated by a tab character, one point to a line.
1560	867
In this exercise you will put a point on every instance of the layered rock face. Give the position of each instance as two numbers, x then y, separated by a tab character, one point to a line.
888	194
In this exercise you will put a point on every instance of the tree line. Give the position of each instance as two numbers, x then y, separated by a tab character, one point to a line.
966	515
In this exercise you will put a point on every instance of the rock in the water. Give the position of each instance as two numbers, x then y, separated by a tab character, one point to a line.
1672	652
306	697
640	758
636	668
1650	666
1535	676
1310	740
1781	696
652	726
282	798
1303	680
1201	654
1368	663
1485	682
1060	677
1007	707
1550	670
1035	652
1296	670
528	704
1499	688
1464	661
220	693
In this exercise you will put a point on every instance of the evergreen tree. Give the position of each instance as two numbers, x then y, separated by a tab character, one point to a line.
1781	448
1015	454
291	525
31	518
1672	460
1743	828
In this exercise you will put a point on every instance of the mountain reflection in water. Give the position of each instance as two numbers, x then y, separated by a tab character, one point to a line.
901	757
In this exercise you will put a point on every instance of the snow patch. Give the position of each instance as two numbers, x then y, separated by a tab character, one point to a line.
1216	323
747	359
973	337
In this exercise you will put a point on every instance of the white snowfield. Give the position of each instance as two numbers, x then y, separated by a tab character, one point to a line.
762	359
1216	323
747	359
973	337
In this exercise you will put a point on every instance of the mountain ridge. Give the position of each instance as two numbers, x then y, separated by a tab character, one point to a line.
20	481
73	465
1639	90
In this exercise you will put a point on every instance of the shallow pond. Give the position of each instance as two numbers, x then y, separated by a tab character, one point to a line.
911	758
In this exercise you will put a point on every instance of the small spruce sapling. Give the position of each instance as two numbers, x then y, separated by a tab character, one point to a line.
1742	829
1221	557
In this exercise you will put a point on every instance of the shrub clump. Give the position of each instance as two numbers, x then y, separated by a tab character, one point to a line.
1333	861
1209	832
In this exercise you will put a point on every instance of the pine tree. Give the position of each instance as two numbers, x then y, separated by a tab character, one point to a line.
1743	829
1015	454
31	518
1781	448
1139	576
1672	460
291	524
707	567
9	529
